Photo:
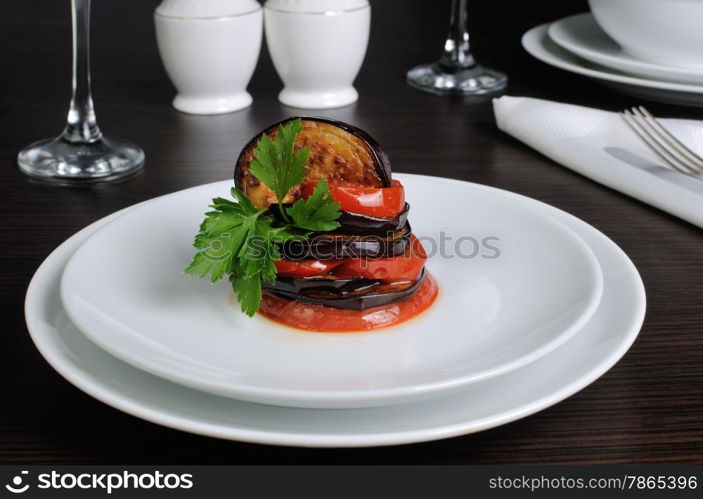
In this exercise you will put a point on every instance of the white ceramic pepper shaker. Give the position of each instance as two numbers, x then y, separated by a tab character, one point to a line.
209	49
317	47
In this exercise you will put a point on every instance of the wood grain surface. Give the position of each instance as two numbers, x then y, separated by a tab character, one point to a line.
648	408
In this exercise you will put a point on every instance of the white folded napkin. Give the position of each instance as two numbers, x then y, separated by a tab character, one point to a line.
599	145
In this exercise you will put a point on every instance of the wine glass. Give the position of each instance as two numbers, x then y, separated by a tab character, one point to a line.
81	153
456	72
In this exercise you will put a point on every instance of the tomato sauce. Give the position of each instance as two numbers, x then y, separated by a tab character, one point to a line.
332	320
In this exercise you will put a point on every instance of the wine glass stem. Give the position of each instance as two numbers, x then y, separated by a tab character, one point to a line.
81	126
457	54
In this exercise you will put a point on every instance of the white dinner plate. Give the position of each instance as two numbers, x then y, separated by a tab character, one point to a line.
538	43
125	289
581	35
574	365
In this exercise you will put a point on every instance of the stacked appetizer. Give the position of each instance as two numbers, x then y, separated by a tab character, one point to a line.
319	238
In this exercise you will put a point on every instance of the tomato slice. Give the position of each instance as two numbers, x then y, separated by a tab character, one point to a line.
402	267
384	202
305	268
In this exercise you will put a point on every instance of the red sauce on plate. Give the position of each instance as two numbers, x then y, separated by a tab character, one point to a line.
332	320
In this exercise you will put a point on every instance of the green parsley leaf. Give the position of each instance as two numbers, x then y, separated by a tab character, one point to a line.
218	243
259	253
223	235
317	213
243	201
248	291
238	239
275	163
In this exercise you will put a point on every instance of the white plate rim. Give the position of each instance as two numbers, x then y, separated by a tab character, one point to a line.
359	398
623	62
532	42
41	336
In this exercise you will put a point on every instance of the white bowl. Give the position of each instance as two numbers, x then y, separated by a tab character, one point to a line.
210	60
661	31
317	53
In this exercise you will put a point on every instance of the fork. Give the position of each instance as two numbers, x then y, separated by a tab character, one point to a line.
670	149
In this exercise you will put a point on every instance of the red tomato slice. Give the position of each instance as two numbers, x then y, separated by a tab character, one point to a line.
305	268
402	267
385	202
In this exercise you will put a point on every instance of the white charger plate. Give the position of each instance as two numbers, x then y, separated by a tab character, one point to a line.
581	35
125	290
571	367
537	42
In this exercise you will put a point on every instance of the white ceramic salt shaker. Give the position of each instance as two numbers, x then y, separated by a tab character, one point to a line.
209	49
317	47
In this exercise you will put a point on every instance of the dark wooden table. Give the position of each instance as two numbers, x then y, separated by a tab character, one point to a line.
648	408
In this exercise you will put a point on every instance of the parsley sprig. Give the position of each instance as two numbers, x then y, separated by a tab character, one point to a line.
239	240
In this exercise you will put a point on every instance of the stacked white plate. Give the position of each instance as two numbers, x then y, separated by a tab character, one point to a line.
578	44
534	305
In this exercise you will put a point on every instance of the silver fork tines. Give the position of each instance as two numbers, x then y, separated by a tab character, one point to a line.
670	149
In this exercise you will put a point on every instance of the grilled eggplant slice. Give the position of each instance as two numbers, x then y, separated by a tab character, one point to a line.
354	223
338	152
348	294
324	284
332	246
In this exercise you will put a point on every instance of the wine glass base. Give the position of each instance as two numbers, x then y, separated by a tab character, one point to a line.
60	161
475	80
